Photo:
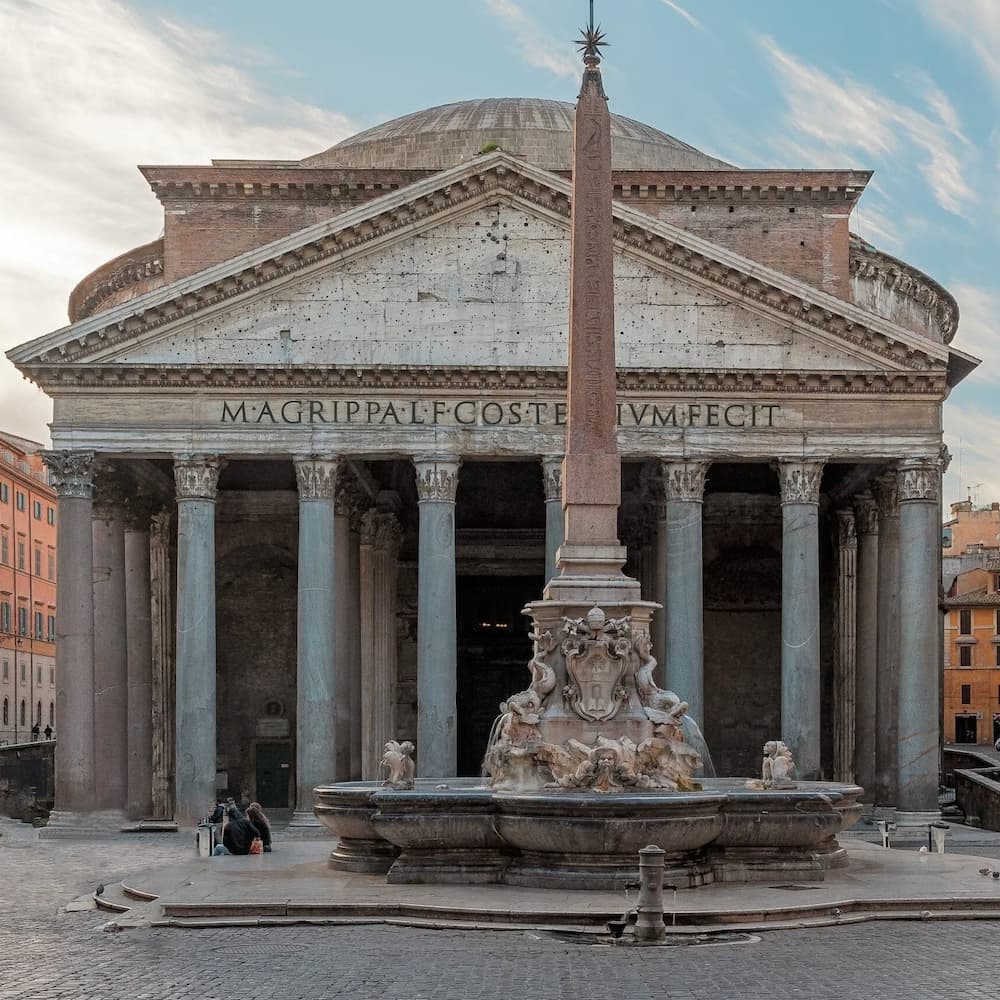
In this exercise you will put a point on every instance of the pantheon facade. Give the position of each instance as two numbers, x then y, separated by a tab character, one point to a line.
307	446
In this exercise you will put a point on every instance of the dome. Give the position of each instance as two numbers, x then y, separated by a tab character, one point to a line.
540	131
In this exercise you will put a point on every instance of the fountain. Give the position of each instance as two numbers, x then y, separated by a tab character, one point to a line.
593	760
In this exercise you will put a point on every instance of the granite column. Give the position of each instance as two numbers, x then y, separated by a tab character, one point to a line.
800	662
887	673
437	626
139	654
380	540
110	652
684	483
343	583
196	478
865	691
316	667
919	649
72	476
844	676
161	603
554	521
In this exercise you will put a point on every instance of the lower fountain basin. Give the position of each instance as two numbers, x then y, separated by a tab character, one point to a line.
461	831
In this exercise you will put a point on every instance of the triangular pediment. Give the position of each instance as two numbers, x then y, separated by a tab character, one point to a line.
468	267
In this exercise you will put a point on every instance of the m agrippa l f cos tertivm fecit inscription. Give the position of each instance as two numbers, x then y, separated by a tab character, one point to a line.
382	412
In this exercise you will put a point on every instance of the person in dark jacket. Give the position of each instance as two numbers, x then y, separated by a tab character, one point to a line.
237	835
255	813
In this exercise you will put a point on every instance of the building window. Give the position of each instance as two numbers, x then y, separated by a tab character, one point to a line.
22	621
38	562
20	554
22	501
4	493
965	622
50	515
4	548
23	715
52	715
24	672
965	656
996	650
52	676
38	713
36	509
39	676
52	629
52	565
6	669
39	626
6	712
966	694
4	617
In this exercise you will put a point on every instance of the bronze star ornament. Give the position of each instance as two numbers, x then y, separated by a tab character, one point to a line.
591	41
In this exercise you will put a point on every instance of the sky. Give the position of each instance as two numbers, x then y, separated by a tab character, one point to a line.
908	88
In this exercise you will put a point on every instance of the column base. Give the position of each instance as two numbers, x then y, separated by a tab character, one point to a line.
921	818
306	824
883	812
68	825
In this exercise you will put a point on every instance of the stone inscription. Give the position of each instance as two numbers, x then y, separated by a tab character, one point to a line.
491	413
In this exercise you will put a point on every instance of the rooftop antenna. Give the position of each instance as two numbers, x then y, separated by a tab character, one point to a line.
973	498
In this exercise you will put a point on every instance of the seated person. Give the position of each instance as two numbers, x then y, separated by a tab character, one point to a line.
237	834
255	813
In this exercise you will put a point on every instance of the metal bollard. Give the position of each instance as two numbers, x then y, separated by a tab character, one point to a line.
649	925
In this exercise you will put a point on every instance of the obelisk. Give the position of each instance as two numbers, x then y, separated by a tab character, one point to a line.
590	560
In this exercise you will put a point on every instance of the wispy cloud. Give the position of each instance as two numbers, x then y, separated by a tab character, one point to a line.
690	18
971	433
973	24
979	330
88	89
848	117
534	45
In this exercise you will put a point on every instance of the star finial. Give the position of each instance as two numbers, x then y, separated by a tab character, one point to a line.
591	41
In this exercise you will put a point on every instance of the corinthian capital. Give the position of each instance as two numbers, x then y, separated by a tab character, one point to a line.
552	476
381	530
886	490
800	481
684	480
847	535
437	478
316	477
71	472
197	476
866	514
919	479
112	491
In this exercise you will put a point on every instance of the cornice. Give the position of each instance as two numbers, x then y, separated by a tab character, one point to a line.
336	378
139	264
419	206
867	261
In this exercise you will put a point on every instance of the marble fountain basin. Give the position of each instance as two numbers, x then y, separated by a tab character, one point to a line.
571	839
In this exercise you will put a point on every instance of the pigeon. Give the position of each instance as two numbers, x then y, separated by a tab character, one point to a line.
984	871
99	891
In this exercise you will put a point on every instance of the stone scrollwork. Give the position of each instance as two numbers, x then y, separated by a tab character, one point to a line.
437	479
886	490
398	761
316	477
799	481
662	707
552	477
919	479
381	529
684	480
71	473
847	528
197	476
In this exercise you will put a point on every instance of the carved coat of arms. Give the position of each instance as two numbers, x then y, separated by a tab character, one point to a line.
596	650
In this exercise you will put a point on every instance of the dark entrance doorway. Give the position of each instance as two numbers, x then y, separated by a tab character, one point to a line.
493	654
273	770
965	729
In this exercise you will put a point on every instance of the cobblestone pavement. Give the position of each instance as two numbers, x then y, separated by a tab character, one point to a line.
46	953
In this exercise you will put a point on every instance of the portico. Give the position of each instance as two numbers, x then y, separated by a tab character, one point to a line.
323	449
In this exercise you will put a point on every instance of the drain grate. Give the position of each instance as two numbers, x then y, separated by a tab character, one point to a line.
792	887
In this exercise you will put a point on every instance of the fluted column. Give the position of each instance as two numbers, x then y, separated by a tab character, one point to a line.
844	677
196	478
554	520
138	646
110	653
161	603
800	663
887	672
437	626
865	691
919	649
380	539
316	667
72	476
684	485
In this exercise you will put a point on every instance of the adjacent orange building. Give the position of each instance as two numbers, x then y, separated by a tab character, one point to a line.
972	655
27	592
